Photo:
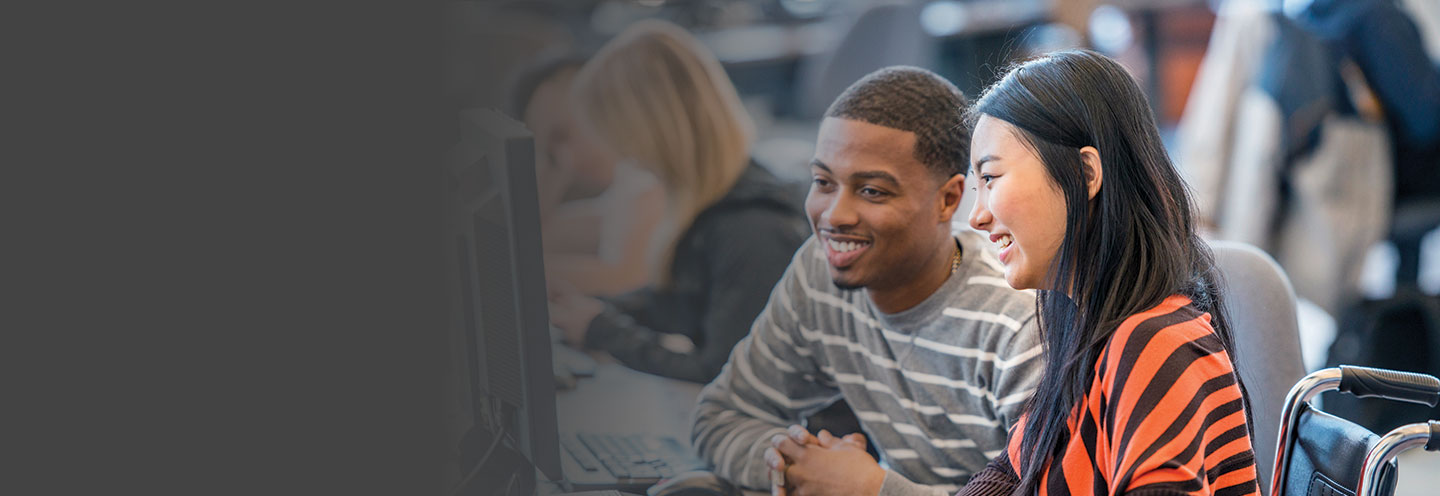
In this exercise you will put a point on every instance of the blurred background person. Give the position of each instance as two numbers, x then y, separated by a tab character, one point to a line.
598	211
728	227
1312	131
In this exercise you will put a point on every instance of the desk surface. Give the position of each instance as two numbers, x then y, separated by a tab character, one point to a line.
623	401
618	400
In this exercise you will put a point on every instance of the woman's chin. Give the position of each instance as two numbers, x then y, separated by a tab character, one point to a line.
1017	280
1011	279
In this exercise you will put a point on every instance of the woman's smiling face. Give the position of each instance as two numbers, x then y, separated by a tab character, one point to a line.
1016	203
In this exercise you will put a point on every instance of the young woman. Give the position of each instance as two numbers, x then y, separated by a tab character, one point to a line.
1140	393
597	211
728	228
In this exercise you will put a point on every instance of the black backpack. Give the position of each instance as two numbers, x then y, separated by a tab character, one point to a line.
1397	333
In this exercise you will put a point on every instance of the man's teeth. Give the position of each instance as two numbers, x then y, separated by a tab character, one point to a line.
1004	241
844	246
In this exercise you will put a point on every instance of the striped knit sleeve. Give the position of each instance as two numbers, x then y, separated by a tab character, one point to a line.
1174	415
1016	372
771	381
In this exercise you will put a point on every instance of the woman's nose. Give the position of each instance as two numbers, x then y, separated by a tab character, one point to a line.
980	217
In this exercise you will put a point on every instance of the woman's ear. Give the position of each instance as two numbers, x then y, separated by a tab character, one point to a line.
1094	170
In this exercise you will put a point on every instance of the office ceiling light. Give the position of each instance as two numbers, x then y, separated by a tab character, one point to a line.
942	18
805	9
1110	29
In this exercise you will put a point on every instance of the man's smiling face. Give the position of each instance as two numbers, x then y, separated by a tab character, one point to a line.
875	208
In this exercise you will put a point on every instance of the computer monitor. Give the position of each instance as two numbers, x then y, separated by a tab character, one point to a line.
502	379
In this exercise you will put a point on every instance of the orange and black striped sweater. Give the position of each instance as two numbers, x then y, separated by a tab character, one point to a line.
1163	416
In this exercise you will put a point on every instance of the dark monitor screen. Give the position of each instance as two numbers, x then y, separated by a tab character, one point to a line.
502	380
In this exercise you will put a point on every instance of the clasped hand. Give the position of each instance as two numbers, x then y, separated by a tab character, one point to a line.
802	464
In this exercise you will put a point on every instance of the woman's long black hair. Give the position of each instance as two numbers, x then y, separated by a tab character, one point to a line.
1124	251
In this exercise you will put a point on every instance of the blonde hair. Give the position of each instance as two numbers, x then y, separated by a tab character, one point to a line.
659	97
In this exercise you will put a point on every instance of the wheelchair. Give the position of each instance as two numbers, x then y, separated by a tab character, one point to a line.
1317	454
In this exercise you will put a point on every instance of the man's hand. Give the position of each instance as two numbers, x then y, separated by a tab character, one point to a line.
805	465
572	313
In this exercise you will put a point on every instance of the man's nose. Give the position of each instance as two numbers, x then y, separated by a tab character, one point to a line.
840	213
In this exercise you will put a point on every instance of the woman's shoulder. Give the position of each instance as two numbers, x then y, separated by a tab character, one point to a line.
757	207
742	226
746	232
758	188
1171	348
1159	331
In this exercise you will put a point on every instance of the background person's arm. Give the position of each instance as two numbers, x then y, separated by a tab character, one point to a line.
745	254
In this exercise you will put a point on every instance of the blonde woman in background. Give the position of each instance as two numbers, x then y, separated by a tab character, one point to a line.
598	211
729	227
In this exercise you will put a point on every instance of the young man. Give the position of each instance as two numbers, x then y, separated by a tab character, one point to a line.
883	307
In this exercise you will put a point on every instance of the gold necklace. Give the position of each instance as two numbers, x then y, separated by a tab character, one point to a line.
956	258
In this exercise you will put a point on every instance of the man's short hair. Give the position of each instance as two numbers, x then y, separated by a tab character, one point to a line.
915	100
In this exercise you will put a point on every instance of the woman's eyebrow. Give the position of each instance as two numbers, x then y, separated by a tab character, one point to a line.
981	162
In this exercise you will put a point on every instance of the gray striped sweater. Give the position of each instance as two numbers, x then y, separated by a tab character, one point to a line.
935	387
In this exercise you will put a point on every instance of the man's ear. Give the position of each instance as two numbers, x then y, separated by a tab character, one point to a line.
950	194
1094	170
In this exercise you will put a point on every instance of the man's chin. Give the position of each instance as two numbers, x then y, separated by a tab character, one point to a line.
847	285
846	278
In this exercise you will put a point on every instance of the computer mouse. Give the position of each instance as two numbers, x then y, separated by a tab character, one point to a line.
697	483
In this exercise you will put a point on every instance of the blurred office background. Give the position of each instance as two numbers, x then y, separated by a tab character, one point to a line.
1308	128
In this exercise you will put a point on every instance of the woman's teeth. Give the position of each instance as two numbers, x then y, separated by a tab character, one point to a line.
844	246
1004	241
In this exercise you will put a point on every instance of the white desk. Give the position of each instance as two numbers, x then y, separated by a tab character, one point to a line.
618	400
623	401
